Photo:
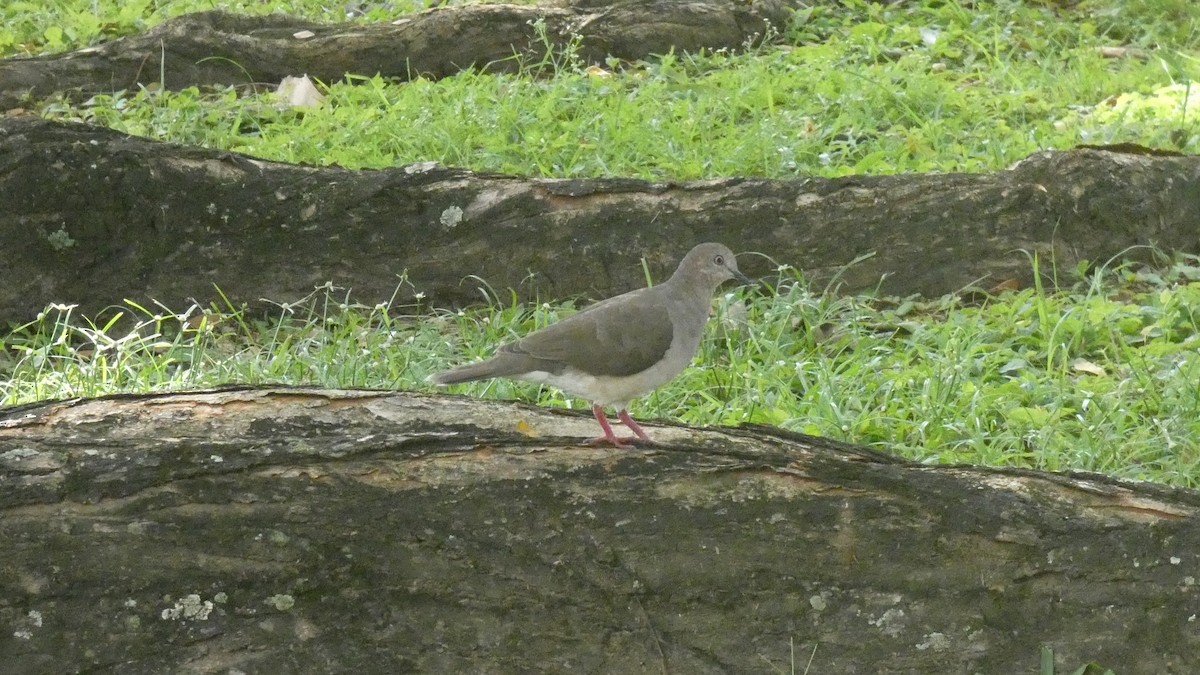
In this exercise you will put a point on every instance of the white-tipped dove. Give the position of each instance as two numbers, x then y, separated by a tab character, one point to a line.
620	348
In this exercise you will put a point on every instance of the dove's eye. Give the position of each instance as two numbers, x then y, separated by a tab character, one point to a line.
719	260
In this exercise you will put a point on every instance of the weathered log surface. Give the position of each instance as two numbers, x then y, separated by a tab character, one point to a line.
303	530
220	48
91	216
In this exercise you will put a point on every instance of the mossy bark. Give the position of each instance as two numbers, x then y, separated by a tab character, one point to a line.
288	530
92	217
219	48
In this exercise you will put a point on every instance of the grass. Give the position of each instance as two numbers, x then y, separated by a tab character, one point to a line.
1101	376
1105	377
30	27
852	90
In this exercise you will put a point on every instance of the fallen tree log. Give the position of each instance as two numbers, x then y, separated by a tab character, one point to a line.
91	217
219	48
303	529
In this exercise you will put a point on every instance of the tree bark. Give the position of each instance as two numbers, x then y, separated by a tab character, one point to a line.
218	48
91	217
290	530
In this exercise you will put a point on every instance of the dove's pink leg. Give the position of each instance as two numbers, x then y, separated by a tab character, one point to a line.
609	436
633	426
